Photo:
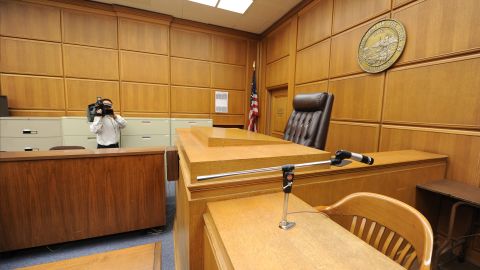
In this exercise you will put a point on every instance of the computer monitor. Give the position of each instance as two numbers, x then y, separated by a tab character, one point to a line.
3	106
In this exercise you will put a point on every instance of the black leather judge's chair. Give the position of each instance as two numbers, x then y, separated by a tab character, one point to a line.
308	123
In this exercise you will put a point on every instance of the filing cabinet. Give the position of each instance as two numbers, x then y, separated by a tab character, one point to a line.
145	140
187	123
42	133
76	132
141	126
146	132
29	134
29	144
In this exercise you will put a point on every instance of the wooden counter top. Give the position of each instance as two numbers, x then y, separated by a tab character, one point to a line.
78	153
248	237
241	151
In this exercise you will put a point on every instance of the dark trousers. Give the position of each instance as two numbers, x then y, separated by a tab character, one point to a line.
115	145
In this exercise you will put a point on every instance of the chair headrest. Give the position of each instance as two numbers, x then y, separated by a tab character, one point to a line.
309	102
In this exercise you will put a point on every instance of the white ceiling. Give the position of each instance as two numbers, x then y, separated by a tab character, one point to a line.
258	17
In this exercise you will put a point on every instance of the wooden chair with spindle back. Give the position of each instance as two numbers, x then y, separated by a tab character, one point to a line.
380	221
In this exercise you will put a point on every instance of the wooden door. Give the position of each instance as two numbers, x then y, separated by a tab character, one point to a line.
278	117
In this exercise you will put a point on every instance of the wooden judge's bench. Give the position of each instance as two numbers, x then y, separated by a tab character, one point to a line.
204	240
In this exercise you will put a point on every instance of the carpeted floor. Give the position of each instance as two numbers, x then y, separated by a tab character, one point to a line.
27	257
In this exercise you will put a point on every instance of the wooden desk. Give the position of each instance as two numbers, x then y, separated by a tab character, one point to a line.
464	195
244	234
49	197
394	174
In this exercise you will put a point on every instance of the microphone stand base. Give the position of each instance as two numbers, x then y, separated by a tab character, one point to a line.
286	225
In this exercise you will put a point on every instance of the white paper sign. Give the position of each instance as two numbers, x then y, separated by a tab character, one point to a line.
221	102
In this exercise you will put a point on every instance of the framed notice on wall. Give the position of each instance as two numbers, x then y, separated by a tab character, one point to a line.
221	102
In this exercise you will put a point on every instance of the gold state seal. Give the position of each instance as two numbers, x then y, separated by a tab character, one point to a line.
381	46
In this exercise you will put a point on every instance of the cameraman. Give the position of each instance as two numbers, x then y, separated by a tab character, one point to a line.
107	125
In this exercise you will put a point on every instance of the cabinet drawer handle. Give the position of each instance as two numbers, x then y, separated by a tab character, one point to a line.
146	137
146	122
28	148
29	131
192	122
91	138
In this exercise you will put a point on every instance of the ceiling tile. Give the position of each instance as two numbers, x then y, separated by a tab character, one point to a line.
257	18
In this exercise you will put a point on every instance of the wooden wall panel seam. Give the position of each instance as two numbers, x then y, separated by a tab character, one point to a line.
362	24
382	110
30	39
217	62
364	20
397	6
32	74
310	83
137	51
120	80
436	61
278	59
435	130
90	46
353	123
355	120
194	59
407	5
433	125
427	60
63	64
313	44
137	82
91	79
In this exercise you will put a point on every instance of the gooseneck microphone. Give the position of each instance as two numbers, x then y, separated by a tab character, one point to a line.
343	154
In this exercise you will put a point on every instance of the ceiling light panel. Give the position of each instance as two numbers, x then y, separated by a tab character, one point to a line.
211	3
238	6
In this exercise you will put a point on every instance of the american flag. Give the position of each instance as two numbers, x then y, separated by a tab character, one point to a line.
253	114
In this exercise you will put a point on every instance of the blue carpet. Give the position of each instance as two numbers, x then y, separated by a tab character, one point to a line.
28	257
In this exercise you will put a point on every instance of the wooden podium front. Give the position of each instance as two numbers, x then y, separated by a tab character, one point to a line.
205	151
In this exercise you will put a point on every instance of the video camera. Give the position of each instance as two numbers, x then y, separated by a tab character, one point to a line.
106	109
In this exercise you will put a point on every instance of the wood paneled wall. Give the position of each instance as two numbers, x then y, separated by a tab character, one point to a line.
433	86
429	100
57	57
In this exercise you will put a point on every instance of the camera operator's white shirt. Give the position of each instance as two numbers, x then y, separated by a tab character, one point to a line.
107	129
